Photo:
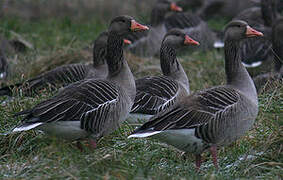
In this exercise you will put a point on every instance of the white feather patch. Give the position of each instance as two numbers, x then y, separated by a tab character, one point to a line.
142	135
218	44
26	128
255	64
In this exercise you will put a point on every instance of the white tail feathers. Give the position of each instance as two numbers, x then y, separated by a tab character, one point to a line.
143	135
26	128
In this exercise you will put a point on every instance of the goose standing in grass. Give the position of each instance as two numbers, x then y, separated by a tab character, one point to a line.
90	108
213	117
156	93
148	44
66	74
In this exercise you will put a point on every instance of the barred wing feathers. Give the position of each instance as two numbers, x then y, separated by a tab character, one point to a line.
87	101
154	94
202	111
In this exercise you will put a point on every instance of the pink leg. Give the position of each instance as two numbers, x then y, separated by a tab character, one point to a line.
198	161
213	151
92	143
79	146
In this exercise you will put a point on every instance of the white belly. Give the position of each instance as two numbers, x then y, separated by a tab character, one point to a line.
136	118
69	130
183	139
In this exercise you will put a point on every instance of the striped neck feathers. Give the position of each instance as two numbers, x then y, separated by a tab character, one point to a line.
99	55
168	60
115	56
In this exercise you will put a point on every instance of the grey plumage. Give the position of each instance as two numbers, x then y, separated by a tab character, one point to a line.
157	93
148	44
257	50
212	117
194	26
90	108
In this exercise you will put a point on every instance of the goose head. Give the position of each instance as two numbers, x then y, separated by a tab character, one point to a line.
166	6
122	25
177	38
237	30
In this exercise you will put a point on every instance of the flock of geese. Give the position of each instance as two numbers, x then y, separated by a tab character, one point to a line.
97	98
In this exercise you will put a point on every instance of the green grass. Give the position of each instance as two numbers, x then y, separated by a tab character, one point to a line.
32	154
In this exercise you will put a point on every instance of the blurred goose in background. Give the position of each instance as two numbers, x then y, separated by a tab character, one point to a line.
148	44
90	108
67	74
277	46
213	117
194	26
157	93
4	67
257	50
224	8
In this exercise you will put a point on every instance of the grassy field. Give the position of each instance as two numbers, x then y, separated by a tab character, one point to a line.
32	154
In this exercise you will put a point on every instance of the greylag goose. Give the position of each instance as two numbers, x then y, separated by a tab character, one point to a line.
277	45
149	44
90	108
257	50
212	117
156	93
224	8
66	74
194	26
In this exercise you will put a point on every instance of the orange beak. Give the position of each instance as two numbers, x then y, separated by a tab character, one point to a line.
189	41
250	32
174	7
126	41
137	27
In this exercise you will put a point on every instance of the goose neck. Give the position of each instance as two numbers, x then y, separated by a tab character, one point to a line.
168	59
119	71
157	17
114	57
236	74
171	67
99	57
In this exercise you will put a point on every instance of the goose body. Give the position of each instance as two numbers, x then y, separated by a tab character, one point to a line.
91	108
67	74
157	93
213	117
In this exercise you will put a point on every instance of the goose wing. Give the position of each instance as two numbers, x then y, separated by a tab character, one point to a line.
196	110
154	94
58	77
87	101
